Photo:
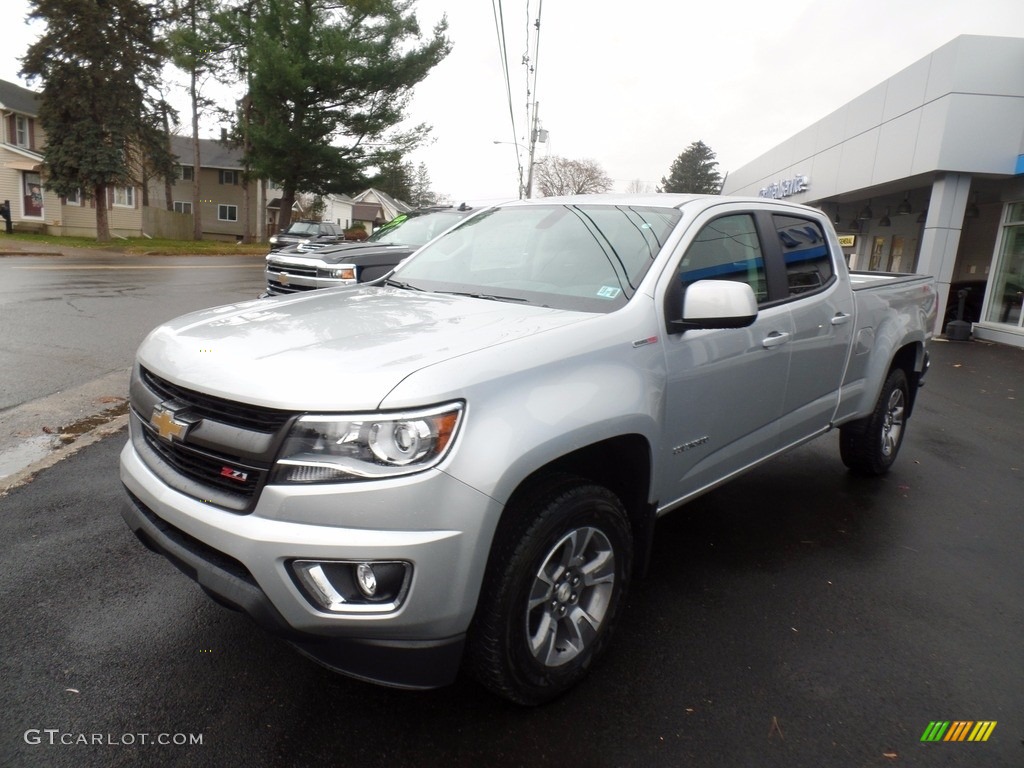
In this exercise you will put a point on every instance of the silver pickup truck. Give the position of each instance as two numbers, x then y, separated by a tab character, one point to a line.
462	464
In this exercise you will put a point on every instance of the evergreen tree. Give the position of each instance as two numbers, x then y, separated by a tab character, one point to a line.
422	194
100	64
328	80
197	45
694	171
393	176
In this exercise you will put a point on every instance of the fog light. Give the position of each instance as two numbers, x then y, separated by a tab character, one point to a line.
366	580
353	587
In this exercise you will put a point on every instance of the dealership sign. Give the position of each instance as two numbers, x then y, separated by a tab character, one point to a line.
785	187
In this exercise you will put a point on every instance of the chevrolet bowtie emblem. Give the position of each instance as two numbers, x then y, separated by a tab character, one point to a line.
168	425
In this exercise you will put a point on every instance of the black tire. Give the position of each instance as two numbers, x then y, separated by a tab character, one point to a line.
869	446
558	571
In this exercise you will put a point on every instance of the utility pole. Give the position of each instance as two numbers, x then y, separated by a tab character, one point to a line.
533	146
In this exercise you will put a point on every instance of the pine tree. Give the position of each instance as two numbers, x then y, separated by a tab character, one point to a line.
328	80
694	171
99	63
422	194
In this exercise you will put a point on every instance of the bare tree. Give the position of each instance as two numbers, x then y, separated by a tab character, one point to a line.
638	187
561	176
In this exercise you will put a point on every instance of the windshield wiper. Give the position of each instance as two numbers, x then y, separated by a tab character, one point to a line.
400	284
488	296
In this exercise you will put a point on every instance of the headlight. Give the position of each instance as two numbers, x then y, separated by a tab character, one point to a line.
332	449
340	272
305	241
273	238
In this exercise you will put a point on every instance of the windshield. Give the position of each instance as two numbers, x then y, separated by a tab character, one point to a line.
583	257
304	228
416	230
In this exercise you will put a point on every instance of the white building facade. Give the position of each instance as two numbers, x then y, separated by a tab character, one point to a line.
923	173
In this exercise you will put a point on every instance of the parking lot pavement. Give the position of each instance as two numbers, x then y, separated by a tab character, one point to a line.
798	616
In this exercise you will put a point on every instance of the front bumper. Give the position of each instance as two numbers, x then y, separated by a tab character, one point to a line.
243	561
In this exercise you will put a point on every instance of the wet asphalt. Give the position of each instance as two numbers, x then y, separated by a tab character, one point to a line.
798	616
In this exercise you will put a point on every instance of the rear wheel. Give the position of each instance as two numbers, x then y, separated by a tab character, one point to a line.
869	446
553	589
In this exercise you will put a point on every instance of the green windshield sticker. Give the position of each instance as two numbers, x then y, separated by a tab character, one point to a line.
609	292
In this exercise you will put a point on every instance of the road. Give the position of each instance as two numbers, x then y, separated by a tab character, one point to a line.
69	328
67	320
798	616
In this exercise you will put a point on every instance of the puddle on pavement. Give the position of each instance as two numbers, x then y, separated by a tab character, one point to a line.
32	449
26	453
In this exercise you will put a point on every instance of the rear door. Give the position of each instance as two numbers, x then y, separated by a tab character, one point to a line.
821	306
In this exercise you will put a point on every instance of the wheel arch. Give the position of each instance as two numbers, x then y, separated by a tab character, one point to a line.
622	464
913	359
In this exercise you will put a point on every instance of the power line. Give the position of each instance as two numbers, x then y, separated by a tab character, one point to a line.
499	27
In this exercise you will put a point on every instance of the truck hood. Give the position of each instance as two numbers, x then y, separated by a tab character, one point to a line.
334	350
346	253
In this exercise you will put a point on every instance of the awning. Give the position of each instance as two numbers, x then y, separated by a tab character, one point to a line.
23	165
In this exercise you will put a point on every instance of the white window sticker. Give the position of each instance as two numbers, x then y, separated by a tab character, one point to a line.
609	292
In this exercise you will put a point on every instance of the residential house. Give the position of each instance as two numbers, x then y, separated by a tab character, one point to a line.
338	208
373	208
22	180
221	190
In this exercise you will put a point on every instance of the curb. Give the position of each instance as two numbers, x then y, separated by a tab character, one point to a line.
68	448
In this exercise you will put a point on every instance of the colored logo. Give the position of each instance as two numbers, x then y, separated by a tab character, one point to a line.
167	424
958	730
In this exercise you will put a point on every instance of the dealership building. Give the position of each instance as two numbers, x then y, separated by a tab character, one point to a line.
924	173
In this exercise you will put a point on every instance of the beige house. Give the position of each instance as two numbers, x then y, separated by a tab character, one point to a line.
221	191
32	207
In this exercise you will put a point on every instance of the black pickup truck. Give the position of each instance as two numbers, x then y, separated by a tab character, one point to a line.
312	265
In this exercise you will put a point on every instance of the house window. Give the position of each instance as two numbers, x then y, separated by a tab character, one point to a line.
186	172
229	177
73	198
181	206
227	212
124	197
21	135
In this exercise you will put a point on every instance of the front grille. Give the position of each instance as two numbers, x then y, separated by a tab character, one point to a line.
277	289
226	474
299	270
243	415
227	454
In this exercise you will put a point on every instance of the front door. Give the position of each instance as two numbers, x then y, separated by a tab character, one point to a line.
725	388
32	192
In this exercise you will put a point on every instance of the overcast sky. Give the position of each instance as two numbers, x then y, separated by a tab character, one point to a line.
630	84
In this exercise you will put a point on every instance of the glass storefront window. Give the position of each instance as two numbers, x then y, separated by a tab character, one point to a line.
1006	290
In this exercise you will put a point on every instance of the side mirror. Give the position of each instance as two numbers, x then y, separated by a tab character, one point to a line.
715	304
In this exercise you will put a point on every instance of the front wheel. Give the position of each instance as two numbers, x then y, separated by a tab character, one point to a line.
869	446
554	585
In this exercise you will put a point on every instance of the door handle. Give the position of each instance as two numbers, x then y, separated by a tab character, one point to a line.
775	339
841	318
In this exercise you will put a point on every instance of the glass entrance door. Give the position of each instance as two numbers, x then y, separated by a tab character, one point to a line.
1006	289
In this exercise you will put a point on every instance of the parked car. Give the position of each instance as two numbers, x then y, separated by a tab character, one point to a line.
311	265
305	232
